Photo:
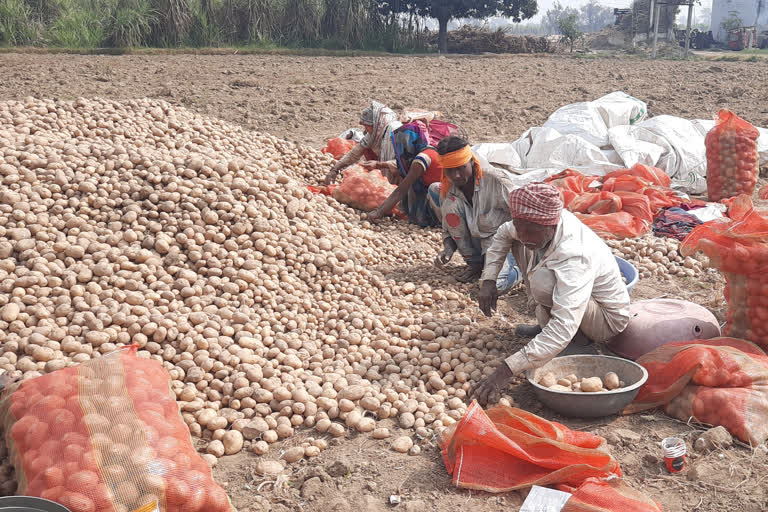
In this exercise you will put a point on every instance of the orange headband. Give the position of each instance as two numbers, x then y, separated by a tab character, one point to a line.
457	159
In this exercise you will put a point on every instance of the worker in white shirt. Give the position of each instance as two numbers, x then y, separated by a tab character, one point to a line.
569	273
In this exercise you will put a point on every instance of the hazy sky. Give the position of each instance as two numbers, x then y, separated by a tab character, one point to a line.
547	4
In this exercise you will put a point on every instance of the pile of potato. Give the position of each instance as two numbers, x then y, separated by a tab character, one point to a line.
143	223
609	382
657	257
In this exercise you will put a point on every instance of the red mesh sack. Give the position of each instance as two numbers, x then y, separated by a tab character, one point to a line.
338	147
626	183
107	436
606	495
504	449
721	381
637	205
737	247
652	175
361	189
617	225
732	159
661	198
596	202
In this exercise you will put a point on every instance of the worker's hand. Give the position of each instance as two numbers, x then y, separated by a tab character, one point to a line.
370	165
488	390
331	176
375	215
487	297
444	256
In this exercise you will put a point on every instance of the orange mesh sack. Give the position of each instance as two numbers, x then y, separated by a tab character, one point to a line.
626	183
721	381
361	189
107	436
503	449
617	225
596	202
738	247
732	159
608	494
338	147
661	198
652	175
637	205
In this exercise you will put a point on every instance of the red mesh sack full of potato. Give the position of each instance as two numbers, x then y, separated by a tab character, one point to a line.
361	189
504	449
338	147
107	436
617	225
720	381
738	247
732	159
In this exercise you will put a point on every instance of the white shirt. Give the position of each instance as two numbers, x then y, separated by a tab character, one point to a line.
576	267
489	208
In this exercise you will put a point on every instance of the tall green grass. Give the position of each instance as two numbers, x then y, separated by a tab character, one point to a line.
328	24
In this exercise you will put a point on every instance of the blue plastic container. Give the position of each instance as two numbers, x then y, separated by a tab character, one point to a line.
629	272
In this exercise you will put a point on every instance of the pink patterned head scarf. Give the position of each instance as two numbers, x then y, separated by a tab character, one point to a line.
540	203
379	116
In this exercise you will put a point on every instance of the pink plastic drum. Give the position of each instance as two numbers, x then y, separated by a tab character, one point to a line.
657	322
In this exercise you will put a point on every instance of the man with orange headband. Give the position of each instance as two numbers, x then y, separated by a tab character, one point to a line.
472	203
569	273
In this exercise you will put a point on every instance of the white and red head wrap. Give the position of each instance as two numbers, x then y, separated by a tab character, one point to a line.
540	203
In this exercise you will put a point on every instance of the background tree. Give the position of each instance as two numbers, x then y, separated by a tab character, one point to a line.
446	10
553	16
569	28
594	17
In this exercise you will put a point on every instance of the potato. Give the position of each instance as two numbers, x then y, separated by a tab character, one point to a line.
572	378
548	380
611	380
558	387
564	382
591	385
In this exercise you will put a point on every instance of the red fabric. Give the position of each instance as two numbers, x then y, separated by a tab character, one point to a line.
540	203
504	449
434	172
722	381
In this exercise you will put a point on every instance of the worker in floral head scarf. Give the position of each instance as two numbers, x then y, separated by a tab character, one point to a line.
570	275
378	122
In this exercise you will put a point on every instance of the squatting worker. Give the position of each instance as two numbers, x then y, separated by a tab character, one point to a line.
378	122
471	202
569	273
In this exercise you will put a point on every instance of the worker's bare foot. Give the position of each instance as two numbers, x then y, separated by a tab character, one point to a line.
471	273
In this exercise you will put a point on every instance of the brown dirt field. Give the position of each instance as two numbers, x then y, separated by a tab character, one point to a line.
307	99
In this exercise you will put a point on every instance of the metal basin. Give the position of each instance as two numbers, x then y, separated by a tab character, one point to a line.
29	504
575	404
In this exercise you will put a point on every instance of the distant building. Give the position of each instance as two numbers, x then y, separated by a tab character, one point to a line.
749	12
